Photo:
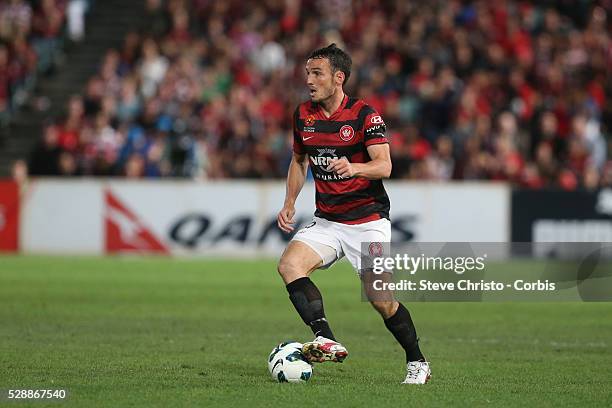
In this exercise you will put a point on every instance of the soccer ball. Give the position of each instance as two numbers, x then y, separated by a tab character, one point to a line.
287	363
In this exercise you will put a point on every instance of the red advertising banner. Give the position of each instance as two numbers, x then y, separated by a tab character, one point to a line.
9	216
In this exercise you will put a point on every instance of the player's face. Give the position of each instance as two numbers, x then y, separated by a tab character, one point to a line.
321	81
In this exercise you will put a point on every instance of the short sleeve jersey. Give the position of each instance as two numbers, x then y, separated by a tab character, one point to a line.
346	133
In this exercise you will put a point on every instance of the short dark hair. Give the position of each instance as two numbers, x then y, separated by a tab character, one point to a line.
338	59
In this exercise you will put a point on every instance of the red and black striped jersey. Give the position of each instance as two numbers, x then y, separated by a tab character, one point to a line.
346	133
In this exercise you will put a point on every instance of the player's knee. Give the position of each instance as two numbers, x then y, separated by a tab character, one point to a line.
385	308
290	269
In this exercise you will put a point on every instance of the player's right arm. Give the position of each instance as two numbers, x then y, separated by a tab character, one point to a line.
295	181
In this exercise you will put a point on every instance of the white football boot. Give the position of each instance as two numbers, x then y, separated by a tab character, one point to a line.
418	373
323	349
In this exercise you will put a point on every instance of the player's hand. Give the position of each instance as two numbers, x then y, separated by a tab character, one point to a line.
284	218
341	167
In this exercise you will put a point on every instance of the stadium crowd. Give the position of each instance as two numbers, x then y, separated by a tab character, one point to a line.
31	34
472	90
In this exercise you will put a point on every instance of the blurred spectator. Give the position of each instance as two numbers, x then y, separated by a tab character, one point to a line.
47	25
30	43
75	13
67	165
5	84
153	68
154	20
15	19
44	159
70	129
135	167
19	172
440	164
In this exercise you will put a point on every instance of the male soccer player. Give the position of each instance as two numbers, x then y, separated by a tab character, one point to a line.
343	139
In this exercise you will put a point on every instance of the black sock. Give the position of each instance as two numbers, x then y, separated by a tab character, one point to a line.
308	302
402	328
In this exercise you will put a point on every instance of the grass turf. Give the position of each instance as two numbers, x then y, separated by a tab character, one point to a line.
163	332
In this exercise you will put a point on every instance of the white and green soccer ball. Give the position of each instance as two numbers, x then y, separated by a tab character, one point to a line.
287	363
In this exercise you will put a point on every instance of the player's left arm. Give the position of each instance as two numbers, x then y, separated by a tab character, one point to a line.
377	145
378	167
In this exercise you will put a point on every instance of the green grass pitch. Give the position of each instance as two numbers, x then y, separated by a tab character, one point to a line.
121	332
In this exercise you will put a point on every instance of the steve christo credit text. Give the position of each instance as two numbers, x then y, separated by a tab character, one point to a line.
463	285
458	265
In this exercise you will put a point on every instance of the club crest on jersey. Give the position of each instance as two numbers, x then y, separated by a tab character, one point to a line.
310	120
347	133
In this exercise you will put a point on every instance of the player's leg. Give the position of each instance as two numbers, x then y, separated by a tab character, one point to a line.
314	246
296	264
399	322
298	261
396	317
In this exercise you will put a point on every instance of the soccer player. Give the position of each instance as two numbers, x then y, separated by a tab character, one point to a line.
343	140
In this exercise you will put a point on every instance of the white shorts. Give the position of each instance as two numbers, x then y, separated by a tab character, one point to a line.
333	240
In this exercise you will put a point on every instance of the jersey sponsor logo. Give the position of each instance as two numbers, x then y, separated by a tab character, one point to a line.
324	158
310	120
376	120
306	138
328	177
375	131
322	161
347	133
